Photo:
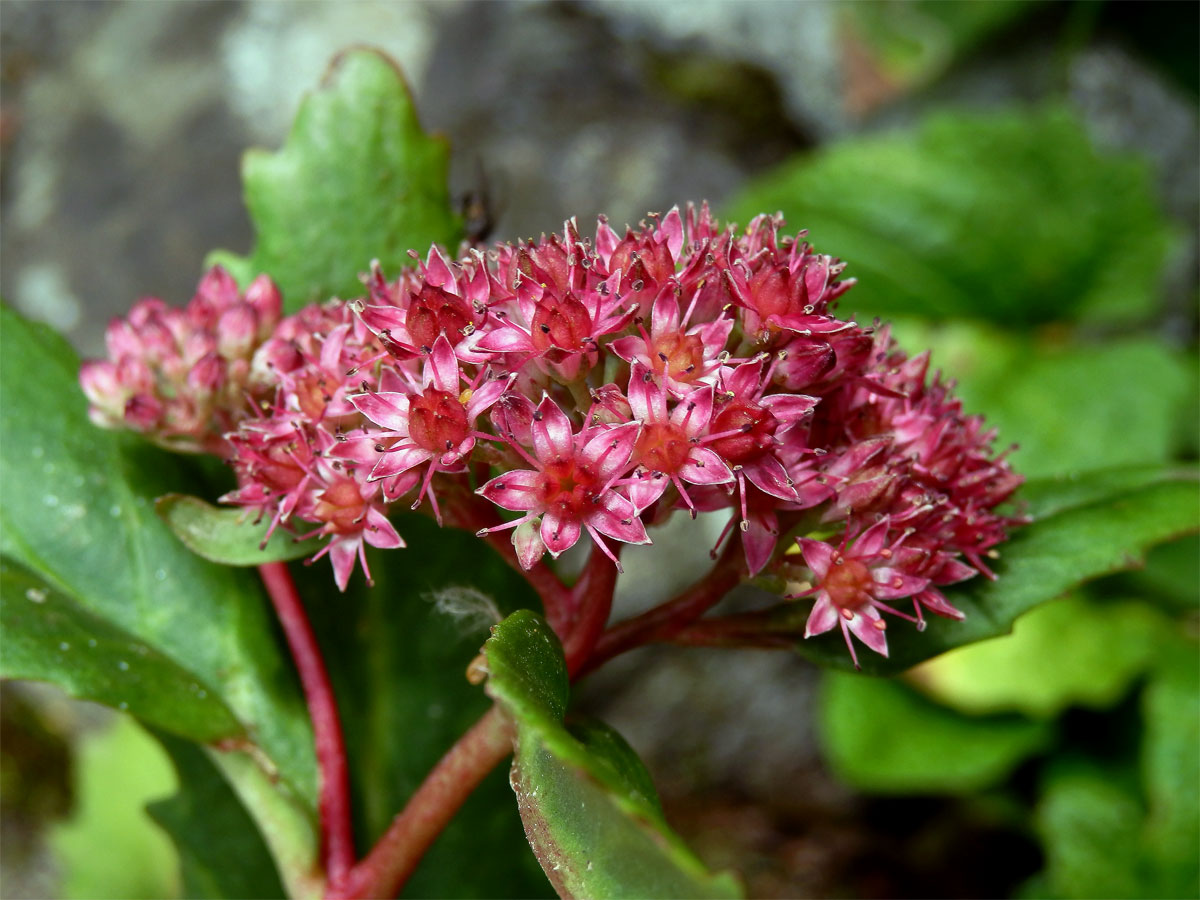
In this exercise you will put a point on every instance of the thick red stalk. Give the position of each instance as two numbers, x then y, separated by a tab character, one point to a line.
337	845
389	864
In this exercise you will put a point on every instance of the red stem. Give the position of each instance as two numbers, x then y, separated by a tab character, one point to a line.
590	607
336	829
389	864
663	622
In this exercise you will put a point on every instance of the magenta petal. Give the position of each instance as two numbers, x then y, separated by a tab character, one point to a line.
393	462
871	541
518	489
818	555
769	476
641	391
383	318
891	584
558	533
509	339
441	369
934	601
389	410
789	407
608	450
694	411
629	348
863	626
672	229
823	617
618	519
664	315
645	490
379	531
704	466
552	436
759	541
342	554
484	396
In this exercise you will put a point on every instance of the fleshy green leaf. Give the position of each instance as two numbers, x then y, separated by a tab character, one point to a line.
1012	217
1083	538
1071	652
78	515
50	637
358	179
221	852
229	536
583	794
881	736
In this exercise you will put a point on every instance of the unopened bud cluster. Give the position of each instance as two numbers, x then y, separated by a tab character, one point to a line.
580	385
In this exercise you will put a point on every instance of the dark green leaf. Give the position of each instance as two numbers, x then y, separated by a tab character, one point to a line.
1012	217
78	514
229	536
1171	769
881	736
1083	538
49	637
358	179
583	795
221	852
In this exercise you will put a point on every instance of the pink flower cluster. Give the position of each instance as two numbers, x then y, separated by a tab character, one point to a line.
591	386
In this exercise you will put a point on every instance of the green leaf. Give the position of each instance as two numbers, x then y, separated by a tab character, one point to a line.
1012	217
221	852
78	515
109	848
229	536
1070	652
882	736
1081	539
399	665
1171	769
358	179
583	794
50	637
1090	823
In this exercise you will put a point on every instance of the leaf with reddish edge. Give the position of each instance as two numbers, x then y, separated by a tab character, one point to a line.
589	807
357	179
228	535
1092	525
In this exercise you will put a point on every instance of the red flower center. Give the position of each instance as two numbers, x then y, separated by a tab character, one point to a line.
437	421
661	447
848	583
562	323
567	488
342	507
435	312
756	426
679	355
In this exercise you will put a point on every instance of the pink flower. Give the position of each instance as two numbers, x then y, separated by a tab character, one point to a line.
432	422
571	483
852	583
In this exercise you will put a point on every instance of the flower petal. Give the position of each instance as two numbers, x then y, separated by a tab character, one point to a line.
518	489
560	533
